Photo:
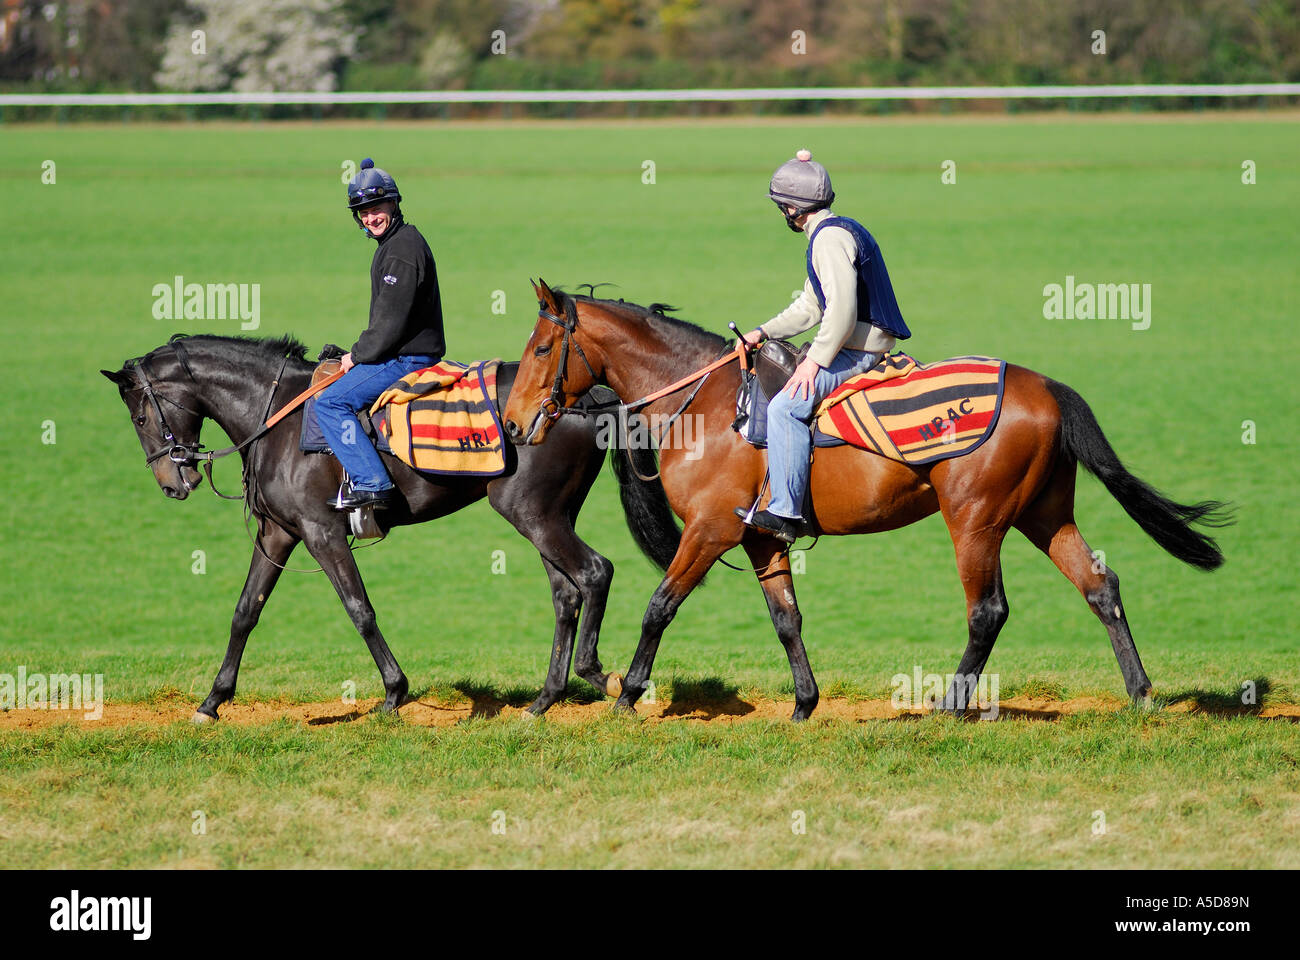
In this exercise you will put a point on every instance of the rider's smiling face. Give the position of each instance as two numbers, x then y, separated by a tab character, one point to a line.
377	218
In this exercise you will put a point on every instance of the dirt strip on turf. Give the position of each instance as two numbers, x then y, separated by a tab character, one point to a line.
431	713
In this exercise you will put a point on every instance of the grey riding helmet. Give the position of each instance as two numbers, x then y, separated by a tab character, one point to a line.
802	183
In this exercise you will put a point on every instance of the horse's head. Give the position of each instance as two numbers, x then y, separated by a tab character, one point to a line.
161	402
556	369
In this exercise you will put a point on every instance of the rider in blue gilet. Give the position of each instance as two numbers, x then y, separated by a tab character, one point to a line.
848	292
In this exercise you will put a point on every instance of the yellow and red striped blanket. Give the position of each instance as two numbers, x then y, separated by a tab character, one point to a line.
917	413
443	419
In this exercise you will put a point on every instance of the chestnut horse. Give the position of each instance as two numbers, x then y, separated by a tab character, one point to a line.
1023	476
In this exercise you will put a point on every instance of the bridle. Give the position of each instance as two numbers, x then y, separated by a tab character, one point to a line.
552	406
177	451
185	453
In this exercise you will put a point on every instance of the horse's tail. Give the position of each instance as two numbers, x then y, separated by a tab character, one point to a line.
645	504
1166	522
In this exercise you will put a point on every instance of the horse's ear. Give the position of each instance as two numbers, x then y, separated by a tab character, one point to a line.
546	295
120	377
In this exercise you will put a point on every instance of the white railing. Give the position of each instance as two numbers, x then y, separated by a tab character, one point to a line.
655	96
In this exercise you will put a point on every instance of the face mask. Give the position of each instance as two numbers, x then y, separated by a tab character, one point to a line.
790	222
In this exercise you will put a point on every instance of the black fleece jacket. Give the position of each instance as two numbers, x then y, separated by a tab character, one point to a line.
405	305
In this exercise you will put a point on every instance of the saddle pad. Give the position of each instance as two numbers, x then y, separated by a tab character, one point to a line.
917	413
312	438
443	419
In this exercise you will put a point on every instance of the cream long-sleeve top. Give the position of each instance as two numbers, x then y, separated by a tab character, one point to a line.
833	253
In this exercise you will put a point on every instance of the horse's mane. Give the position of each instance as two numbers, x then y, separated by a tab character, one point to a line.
273	347
655	312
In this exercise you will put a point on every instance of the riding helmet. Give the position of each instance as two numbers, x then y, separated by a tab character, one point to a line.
802	183
370	186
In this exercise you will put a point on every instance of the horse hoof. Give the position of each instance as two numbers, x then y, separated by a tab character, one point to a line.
200	718
614	685
527	716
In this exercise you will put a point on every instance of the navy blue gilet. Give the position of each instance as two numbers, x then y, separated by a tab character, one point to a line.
876	301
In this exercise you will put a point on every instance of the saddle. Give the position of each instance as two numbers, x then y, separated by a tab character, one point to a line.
312	439
775	363
324	369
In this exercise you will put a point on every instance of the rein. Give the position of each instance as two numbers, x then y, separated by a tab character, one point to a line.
553	406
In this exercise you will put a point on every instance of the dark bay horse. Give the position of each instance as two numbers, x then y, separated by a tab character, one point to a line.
1023	476
237	382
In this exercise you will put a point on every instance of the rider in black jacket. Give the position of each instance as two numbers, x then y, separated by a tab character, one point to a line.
405	333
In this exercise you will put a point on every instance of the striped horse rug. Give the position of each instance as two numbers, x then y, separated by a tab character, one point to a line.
443	419
917	413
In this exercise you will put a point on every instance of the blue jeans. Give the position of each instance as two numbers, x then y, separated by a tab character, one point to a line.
336	409
789	440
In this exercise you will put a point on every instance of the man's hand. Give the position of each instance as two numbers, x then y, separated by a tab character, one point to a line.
751	339
346	362
800	384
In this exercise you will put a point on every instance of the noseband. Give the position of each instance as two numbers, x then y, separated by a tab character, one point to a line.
177	451
553	405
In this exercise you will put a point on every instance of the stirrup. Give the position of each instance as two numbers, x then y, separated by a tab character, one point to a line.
363	525
361	520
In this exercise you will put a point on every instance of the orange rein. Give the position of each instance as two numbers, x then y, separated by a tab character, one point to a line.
302	398
689	378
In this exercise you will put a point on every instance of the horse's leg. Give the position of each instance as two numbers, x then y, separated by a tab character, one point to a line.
579	590
580	579
772	567
568	607
330	548
1049	525
980	566
698	550
594	576
273	543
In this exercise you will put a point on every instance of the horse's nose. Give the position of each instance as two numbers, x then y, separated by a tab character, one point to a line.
512	430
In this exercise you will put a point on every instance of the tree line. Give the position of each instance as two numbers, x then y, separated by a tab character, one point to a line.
148	45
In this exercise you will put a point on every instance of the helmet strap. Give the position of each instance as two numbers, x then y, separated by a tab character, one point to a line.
790	221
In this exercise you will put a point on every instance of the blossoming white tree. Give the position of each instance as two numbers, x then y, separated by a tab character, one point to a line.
257	45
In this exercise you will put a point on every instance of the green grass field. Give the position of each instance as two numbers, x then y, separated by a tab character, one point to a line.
99	567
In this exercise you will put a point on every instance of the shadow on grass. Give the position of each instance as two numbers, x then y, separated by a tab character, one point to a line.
348	717
1247	700
487	700
710	696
